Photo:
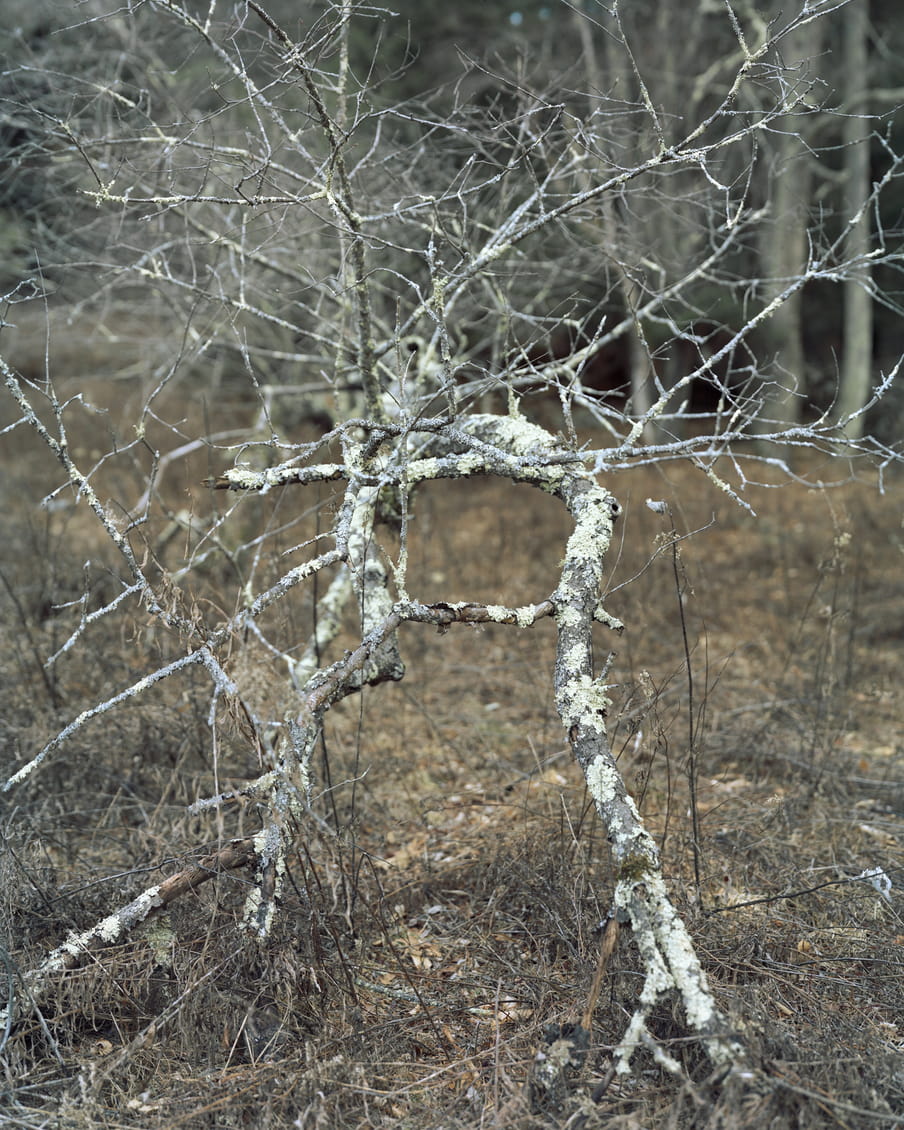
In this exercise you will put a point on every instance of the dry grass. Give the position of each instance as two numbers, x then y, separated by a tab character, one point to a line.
447	906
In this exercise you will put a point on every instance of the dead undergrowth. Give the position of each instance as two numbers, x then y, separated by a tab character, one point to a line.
446	902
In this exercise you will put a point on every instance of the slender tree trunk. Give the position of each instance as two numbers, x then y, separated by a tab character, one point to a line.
856	365
639	364
785	248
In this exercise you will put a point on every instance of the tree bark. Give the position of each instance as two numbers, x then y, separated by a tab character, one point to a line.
785	246
857	355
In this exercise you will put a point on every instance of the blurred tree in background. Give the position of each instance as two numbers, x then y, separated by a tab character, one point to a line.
810	170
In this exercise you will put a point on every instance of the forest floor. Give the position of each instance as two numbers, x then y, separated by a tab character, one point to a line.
446	904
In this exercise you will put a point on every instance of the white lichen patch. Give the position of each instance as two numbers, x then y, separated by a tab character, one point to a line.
550	479
421	469
585	702
602	617
576	658
251	908
75	945
591	535
520	437
471	463
110	929
525	616
698	1003
585	549
658	980
252	920
605	785
245	478
142	906
603	780
258	915
267	842
683	963
567	616
464	464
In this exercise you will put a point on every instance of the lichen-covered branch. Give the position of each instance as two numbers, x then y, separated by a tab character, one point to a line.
667	952
381	462
120	923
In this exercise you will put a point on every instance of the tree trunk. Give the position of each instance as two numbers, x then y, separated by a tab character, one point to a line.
856	362
785	246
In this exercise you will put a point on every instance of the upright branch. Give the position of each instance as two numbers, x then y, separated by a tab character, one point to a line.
342	199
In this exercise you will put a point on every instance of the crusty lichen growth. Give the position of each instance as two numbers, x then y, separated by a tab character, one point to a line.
519	436
525	616
687	971
161	938
260	910
498	613
106	931
590	538
576	656
671	964
627	834
568	617
603	617
109	929
583	701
